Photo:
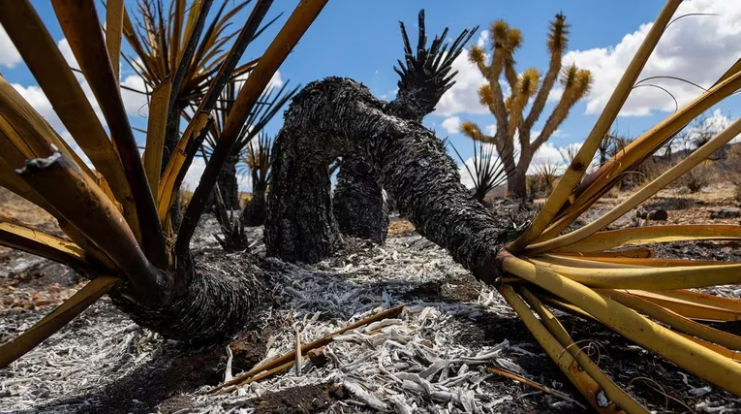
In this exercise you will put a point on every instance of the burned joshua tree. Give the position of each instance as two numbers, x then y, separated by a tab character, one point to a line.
120	228
425	75
650	301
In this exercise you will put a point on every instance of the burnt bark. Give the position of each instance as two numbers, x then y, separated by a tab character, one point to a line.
219	297
336	116
358	203
255	211
424	76
228	185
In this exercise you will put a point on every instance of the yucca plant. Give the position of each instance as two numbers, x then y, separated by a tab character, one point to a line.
271	101
651	301
116	216
512	121
257	158
489	171
158	40
544	179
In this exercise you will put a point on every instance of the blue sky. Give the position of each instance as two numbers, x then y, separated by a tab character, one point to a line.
361	40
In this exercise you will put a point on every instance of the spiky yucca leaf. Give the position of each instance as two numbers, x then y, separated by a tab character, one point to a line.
110	214
580	273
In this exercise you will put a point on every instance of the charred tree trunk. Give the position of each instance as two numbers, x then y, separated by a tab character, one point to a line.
358	202
336	116
228	186
256	209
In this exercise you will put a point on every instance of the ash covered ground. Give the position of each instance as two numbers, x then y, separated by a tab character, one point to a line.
432	358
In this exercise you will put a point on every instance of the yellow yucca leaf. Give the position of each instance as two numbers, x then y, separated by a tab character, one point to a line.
675	320
583	158
547	259
717	348
602	180
692	308
29	131
643	194
156	126
705	299
18	235
113	31
647	262
174	173
554	326
634	236
79	200
195	10
583	381
695	358
610	275
56	320
639	253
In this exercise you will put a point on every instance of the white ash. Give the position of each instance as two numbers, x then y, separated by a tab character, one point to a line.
98	347
413	363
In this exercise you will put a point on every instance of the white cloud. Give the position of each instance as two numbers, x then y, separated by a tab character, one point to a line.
276	81
483	38
463	96
696	48
193	176
452	124
66	50
9	56
135	103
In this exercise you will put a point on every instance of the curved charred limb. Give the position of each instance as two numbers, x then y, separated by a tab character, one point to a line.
358	202
338	116
425	75
221	297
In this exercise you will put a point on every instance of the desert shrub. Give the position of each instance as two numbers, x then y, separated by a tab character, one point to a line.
543	181
697	178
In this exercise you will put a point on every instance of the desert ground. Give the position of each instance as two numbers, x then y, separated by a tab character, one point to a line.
433	357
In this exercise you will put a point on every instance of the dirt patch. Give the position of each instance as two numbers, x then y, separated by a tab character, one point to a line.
299	400
453	289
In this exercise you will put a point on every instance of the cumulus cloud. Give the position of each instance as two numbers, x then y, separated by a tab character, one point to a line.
135	103
452	124
193	176
696	48
9	56
463	96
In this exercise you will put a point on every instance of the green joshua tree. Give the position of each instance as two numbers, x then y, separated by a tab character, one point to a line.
512	122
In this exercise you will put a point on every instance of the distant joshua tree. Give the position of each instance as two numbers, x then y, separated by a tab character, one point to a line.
509	111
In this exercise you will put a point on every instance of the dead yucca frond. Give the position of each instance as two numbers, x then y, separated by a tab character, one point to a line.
117	216
645	299
159	37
